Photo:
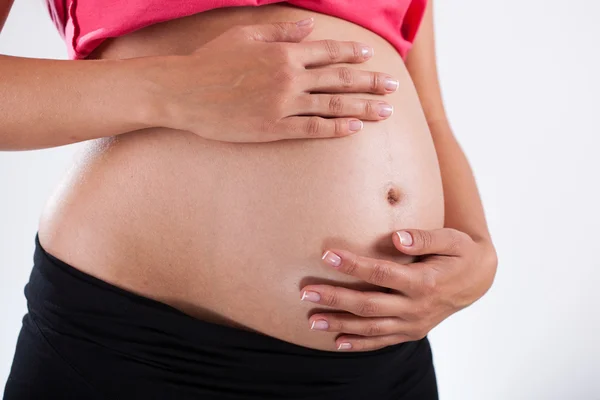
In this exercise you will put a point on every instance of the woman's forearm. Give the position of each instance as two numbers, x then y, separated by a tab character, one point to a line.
48	103
255	77
463	208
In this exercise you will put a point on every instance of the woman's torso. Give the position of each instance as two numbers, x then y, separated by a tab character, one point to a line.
231	232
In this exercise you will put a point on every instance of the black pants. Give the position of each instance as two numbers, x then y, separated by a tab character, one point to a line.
83	338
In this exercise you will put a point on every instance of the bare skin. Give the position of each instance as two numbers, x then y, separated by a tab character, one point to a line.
458	262
281	94
229	232
232	231
48	103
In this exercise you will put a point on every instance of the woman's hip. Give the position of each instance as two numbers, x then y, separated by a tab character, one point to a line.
87	337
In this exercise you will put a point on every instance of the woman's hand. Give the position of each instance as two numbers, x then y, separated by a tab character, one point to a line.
455	272
254	84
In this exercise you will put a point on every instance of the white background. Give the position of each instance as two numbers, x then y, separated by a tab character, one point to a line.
521	82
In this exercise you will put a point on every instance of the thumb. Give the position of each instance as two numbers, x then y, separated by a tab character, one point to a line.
444	241
281	31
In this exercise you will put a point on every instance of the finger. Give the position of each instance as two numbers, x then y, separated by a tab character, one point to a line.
363	304
314	127
351	324
360	343
382	273
445	241
348	80
324	52
279	31
326	105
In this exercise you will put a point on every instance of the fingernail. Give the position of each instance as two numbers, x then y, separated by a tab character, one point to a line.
319	324
311	296
305	22
355	125
385	110
344	346
391	84
331	258
405	238
367	52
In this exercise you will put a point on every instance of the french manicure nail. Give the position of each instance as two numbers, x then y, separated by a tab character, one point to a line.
305	22
344	346
367	52
319	324
332	259
405	238
391	84
385	110
311	296
355	125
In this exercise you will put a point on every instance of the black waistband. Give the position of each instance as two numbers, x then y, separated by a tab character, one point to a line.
121	341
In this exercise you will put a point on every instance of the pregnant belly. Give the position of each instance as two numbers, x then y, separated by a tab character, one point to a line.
230	232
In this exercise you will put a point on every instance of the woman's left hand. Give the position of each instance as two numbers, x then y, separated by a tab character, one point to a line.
454	272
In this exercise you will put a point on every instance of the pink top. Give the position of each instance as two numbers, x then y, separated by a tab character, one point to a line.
84	24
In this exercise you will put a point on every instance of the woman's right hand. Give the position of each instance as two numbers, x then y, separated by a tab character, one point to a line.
260	83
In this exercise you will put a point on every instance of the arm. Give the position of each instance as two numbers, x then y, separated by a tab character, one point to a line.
463	208
46	103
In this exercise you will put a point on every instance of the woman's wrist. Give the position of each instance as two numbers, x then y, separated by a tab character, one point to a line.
142	100
134	102
154	84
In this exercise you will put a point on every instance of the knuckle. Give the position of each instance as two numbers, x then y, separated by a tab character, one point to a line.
286	77
357	344
311	102
346	77
331	298
280	28
278	111
340	128
336	105
368	307
425	239
369	109
282	52
352	265
336	325
333	50
357	51
313	127
413	282
380	274
463	238
318	78
373	329
375	81
279	103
